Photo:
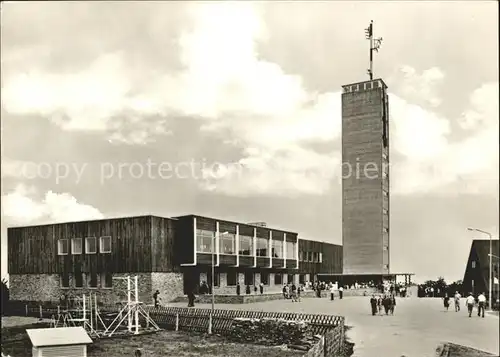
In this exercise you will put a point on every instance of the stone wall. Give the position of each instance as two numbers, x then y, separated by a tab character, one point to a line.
46	287
30	287
170	285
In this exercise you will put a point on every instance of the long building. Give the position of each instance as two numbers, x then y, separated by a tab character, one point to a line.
172	255
365	179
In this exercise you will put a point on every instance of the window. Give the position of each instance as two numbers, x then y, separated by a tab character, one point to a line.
227	243
386	194
473	264
264	278
291	250
309	256
384	211
204	241
384	154
249	278
217	279
384	174
386	266
301	256
321	257
106	280
302	279
231	278
290	279
64	280
92	280
386	230
76	246
277	249
105	245
62	247
78	280
262	247
315	257
90	245
246	245
278	279
386	247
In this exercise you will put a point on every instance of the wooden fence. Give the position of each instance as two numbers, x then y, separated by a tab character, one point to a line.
194	319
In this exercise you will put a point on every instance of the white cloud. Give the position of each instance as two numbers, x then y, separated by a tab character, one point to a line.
269	112
420	87
99	98
22	207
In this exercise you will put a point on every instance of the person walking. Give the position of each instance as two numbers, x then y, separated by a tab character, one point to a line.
156	298
261	286
446	301
481	304
341	292
457	301
373	304
469	302
299	290
294	293
238	289
332	293
191	298
393	304
386	303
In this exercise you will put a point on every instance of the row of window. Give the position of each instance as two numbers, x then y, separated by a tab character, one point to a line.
313	257
87	280
249	278
227	245
63	245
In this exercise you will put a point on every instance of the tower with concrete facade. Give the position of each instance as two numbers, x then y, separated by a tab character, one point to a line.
365	180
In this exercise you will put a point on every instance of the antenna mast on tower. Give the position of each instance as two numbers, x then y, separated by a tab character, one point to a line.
374	46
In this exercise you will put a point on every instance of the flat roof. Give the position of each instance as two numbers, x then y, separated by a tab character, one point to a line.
240	223
92	220
366	274
363	82
60	336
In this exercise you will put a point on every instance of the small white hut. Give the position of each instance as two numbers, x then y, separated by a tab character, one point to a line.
59	342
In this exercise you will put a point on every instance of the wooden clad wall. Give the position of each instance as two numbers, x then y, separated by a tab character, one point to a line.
277	235
227	227
331	258
33	250
263	232
184	240
162	244
207	224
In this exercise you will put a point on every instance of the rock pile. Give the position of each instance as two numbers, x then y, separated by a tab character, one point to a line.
272	332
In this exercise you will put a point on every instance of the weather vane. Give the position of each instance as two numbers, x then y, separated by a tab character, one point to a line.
374	46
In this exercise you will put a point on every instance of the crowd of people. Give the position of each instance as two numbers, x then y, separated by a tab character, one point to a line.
471	301
386	302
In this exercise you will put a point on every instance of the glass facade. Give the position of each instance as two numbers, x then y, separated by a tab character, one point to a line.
277	249
227	243
291	250
246	245
204	241
262	247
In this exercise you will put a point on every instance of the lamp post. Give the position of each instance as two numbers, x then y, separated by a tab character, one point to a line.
490	298
213	279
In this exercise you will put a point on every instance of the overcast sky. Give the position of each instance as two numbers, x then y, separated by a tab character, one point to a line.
254	87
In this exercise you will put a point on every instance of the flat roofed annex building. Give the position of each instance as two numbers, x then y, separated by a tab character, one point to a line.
365	180
172	255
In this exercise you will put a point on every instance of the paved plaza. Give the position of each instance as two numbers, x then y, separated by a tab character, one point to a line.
416	329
